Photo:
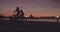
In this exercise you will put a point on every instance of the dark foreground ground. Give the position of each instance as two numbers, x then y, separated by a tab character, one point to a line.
31	26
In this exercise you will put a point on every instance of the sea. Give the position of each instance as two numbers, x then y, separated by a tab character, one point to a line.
47	20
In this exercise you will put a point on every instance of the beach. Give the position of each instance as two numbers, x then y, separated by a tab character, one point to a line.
29	26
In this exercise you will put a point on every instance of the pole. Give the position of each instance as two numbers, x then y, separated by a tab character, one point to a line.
57	20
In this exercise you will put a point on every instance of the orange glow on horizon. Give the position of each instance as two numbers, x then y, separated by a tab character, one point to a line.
35	14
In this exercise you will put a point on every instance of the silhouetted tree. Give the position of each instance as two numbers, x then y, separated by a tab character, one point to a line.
1	17
19	13
31	16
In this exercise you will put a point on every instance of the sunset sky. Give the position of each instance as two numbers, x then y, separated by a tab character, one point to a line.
34	7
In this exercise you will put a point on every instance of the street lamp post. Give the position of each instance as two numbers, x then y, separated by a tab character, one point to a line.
57	18
26	18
